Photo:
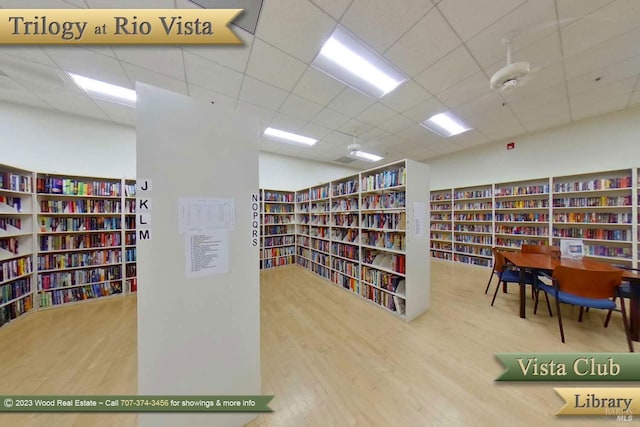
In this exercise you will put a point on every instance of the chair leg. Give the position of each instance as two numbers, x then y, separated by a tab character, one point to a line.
580	315
546	296
625	321
535	305
608	318
560	320
496	292
489	282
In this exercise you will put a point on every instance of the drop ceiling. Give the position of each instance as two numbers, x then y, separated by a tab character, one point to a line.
585	56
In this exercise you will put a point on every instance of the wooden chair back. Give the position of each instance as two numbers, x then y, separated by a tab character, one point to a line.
499	261
541	249
587	283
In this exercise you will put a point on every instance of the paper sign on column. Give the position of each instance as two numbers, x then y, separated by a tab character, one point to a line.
200	213
419	218
207	253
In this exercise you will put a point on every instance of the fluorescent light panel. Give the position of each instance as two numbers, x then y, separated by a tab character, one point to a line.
445	124
350	61
367	156
288	136
105	91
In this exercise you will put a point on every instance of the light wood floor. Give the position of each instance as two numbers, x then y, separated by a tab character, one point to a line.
328	357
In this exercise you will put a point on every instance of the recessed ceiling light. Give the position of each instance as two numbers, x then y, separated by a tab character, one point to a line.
445	124
105	91
289	137
347	59
366	156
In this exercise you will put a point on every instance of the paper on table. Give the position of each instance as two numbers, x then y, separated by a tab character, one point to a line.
419	218
200	213
207	253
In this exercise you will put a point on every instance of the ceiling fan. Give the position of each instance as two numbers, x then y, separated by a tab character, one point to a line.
513	74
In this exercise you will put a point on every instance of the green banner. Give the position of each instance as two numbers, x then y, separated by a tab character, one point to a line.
104	403
570	366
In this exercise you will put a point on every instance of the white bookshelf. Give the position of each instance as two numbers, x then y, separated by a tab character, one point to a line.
473	224
442	224
278	237
130	254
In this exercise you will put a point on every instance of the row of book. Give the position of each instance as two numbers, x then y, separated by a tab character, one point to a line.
278	252
514	243
59	224
130	206
344	188
130	255
320	232
10	224
529	231
343	205
381	239
522	190
345	220
523	204
344	281
472	260
472	194
319	220
79	241
81	206
130	270
319	192
395	200
384	280
523	217
10	204
130	222
473	217
319	245
130	190
277	262
277	219
278	229
594	217
320	258
441	226
74	187
15	309
594	184
278	241
384	299
608	251
81	293
303	252
385	179
320	270
441	207
472	206
597	233
10	244
15	182
79	277
345	235
277	196
278	208
472	228
393	262
474	250
320	208
581	202
14	290
441	217
302	197
440	197
392	221
473	238
78	259
132	283
14	268
447	256
130	238
441	236
346	251
351	269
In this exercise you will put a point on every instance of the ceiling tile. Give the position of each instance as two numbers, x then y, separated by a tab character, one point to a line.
532	21
609	21
314	130
356	127
131	4
418	134
77	3
380	22
408	95
215	97
480	105
264	113
635	97
552	100
296	27
393	140
27	53
102	50
81	61
165	60
74	103
335	8
449	70
317	86
498	124
426	42
607	52
212	76
299	107
287	123
118	113
273	66
396	124
570	11
547	121
536	82
22	96
425	109
603	99
338	139
605	76
471	138
37	4
373	134
330	118
350	102
467	90
470	17
36	76
262	94
376	114
232	56
136	73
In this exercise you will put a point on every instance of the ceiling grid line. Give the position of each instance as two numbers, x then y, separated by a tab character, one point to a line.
564	66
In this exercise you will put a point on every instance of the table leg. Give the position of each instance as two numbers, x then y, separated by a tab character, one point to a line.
523	294
634	311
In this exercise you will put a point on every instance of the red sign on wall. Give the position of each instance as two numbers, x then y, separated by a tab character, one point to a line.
511	145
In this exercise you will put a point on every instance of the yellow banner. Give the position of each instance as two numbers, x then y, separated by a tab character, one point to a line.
613	401
117	26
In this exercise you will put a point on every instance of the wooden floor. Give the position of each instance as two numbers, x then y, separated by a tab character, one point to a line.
330	358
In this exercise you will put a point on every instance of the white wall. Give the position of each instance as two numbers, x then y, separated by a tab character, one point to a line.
289	173
52	142
602	143
33	139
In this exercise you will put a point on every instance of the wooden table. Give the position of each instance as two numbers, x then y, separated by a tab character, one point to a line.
540	262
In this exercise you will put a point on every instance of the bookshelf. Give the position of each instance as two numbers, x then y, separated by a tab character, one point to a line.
277	242
359	237
597	208
521	213
16	243
79	239
442	224
129	237
473	225
303	256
